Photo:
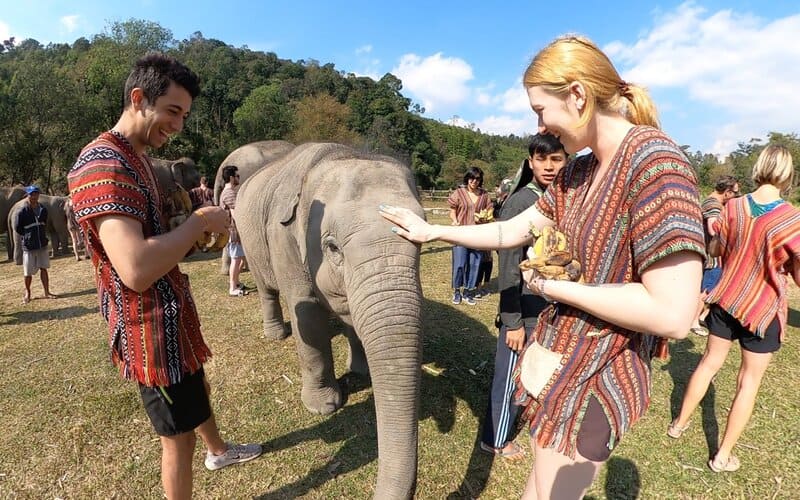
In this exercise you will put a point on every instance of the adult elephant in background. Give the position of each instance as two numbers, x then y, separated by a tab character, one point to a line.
8	197
248	158
311	231
182	171
56	227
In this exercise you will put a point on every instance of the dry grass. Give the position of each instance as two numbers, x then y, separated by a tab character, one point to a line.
75	430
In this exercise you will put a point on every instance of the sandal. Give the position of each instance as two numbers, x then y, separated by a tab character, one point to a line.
732	465
512	454
676	432
237	293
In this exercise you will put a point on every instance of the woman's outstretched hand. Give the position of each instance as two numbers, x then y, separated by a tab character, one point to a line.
406	223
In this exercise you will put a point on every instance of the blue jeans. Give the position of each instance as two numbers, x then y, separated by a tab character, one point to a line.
710	278
466	262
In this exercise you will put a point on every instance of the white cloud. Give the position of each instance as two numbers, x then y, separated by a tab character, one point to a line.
740	65
505	124
363	50
439	82
70	23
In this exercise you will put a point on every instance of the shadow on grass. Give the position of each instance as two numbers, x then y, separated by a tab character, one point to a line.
793	319
27	317
452	341
623	481
435	249
681	365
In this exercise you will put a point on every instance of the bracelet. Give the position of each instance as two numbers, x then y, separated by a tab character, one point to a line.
203	218
542	292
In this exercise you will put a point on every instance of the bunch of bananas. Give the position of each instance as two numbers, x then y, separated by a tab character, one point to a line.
485	215
549	256
178	208
211	242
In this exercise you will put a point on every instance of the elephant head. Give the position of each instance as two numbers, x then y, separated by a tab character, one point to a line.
182	171
249	158
311	231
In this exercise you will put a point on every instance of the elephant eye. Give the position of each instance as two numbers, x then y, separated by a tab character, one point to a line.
332	251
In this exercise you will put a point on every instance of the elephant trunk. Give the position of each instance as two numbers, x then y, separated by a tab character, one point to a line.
388	323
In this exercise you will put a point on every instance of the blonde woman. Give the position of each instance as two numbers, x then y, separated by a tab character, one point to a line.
758	238
631	212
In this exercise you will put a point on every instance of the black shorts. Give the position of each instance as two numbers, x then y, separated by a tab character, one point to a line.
178	408
594	434
723	325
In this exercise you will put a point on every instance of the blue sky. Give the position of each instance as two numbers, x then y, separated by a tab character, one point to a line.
719	72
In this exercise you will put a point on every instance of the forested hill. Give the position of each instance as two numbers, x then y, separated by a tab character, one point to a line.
55	98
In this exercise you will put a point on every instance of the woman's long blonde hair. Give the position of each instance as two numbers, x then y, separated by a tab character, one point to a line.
573	58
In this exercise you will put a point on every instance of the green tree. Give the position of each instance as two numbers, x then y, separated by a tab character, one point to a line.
263	115
322	118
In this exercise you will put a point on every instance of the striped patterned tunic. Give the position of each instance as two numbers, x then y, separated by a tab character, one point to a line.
154	336
465	209
758	253
647	207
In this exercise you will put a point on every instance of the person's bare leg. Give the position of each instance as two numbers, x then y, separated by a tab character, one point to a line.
555	475
176	465
75	243
751	373
208	430
716	352
27	297
46	283
235	270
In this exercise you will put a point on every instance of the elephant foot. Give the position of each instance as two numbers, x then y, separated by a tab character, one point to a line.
322	400
276	331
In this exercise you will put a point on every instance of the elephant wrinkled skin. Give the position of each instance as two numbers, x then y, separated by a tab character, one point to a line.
312	234
248	159
8	197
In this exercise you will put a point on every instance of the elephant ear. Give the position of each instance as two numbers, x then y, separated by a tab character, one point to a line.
176	169
290	210
303	159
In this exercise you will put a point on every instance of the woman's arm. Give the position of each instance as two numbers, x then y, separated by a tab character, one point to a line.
715	246
495	235
453	217
663	304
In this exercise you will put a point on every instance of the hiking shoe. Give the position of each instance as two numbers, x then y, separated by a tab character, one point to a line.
236	453
456	297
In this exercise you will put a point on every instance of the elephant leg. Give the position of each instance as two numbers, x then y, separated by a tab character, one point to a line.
321	393
356	357
274	328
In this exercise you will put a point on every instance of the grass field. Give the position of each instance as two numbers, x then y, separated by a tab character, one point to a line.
74	429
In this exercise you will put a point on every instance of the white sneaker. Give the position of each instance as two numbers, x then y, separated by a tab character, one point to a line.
236	453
